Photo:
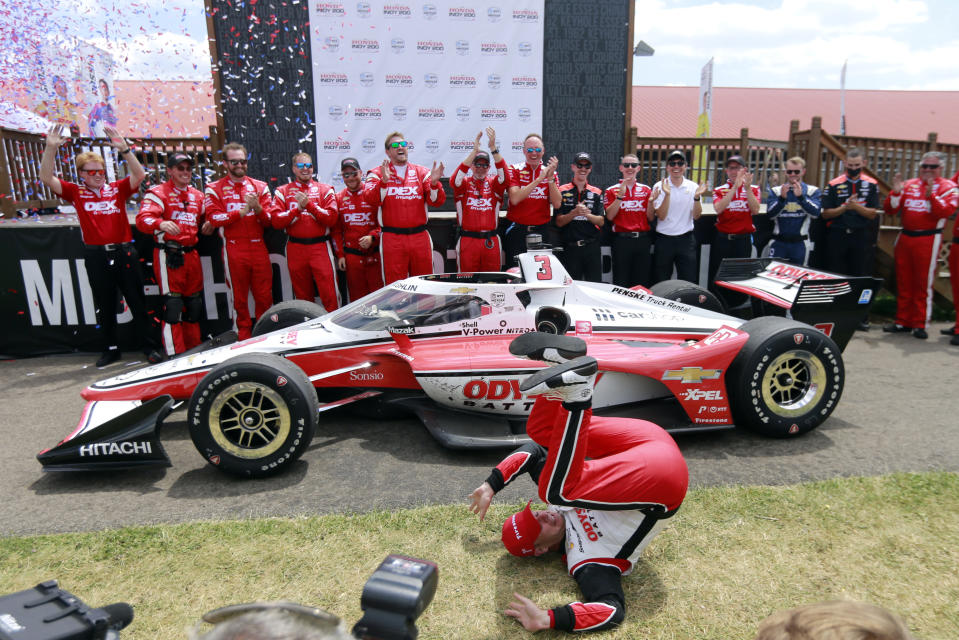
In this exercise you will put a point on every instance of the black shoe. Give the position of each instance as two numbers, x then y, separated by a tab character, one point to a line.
864	326
154	356
547	347
892	327
948	331
579	372
919	333
955	339
108	357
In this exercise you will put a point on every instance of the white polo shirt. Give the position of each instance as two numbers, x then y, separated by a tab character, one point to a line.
679	217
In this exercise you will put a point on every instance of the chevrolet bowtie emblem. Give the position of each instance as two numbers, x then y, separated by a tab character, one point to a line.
692	375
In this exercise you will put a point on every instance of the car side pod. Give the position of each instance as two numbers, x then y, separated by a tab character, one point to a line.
108	440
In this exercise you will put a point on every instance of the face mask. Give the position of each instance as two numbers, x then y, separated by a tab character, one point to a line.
853	173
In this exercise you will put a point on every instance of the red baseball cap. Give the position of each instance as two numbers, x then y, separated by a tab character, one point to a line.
520	532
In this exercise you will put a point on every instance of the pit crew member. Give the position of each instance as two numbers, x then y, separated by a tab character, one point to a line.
677	202
580	215
792	205
357	234
627	208
954	277
735	202
478	198
529	198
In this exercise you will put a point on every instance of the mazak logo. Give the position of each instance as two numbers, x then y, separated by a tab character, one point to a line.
431	113
460	145
368	145
398	80
429	11
462	82
493	115
335	146
334	79
367	113
462	47
524	114
702	394
462	113
398	45
525	48
366	79
524	82
527	16
330	10
363	9
462	13
399	113
493	81
365	44
432	145
692	375
494	14
429	46
331	44
397	11
493	48
430	80
335	112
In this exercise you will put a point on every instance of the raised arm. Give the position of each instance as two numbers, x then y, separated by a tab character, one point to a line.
53	143
118	142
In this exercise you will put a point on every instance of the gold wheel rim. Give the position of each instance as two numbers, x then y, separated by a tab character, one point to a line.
249	420
793	383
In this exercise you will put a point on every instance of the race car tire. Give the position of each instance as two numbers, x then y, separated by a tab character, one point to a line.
286	314
786	379
688	293
254	415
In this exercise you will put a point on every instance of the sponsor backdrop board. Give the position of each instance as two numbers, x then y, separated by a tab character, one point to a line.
438	72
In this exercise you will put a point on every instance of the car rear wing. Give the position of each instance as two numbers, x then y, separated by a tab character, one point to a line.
833	303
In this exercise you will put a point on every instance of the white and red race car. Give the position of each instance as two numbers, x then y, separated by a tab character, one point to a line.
437	345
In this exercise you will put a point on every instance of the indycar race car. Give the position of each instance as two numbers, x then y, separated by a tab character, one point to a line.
438	346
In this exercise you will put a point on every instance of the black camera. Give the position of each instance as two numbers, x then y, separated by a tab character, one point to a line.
394	597
47	612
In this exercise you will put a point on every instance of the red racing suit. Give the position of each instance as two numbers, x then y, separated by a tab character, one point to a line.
246	259
358	219
406	248
176	263
917	247
954	264
477	214
309	252
615	481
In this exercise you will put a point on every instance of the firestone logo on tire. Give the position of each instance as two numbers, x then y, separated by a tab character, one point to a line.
281	381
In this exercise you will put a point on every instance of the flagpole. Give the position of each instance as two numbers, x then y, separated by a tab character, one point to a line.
842	99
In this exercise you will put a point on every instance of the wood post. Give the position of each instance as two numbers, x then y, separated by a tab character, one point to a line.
814	152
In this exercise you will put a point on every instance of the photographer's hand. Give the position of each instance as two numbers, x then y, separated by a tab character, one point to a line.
527	613
480	500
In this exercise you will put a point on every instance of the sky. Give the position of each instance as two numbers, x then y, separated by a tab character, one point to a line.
889	44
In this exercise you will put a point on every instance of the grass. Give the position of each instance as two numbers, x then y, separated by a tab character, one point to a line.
730	557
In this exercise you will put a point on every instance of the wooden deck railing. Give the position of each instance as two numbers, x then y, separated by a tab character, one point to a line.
20	153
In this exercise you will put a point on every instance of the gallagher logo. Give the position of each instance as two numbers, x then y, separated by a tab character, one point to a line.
527	16
462	47
398	45
398	80
363	9
460	145
365	44
334	79
493	48
330	10
524	82
429	46
333	146
399	113
432	145
397	11
431	80
462	113
431	113
493	80
523	113
462	13
494	14
368	145
429	11
525	48
331	44
336	112
367	113
366	79
462	82
493	115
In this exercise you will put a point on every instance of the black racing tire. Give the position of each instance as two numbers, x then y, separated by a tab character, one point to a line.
688	293
254	415
786	379
286	314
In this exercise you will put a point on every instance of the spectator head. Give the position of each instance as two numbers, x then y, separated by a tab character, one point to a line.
396	148
481	165
931	165
854	162
835	620
582	166
352	174
629	166
91	169
271	621
795	169
533	149
180	168
235	160
303	167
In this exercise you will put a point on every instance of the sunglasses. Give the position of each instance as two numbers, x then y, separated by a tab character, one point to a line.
304	165
793	172
481	165
182	167
581	165
237	162
103	172
630	165
929	166
534	149
397	145
677	163
349	174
